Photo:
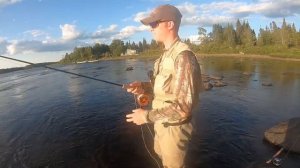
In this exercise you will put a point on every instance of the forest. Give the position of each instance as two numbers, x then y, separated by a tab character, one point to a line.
273	40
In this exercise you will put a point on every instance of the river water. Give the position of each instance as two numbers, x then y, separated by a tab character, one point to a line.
49	119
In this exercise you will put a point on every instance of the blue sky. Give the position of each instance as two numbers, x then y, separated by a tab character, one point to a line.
44	30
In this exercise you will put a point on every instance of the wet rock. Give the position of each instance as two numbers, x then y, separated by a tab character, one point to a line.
219	84
247	73
205	79
99	68
285	134
129	68
217	77
266	84
212	81
207	86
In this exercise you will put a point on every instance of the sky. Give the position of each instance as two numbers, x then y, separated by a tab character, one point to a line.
44	30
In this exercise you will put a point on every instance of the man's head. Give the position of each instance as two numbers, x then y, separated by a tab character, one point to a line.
163	13
166	17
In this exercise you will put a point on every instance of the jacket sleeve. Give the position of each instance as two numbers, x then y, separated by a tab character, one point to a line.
186	89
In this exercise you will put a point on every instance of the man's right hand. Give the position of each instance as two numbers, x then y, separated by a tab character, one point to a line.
134	87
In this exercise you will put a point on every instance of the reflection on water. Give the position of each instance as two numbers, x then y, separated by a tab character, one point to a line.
51	119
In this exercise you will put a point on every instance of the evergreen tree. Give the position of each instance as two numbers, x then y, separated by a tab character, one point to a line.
239	30
217	34
229	36
145	45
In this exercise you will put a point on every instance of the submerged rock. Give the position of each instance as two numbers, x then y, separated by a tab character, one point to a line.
212	81
129	68
267	84
247	73
207	86
285	134
219	84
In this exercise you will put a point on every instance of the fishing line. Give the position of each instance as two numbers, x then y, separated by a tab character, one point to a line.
143	137
96	79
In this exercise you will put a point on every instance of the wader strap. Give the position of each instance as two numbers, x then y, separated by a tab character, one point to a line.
167	124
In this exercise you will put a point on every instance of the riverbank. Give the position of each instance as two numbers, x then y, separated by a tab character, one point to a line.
154	57
248	56
207	55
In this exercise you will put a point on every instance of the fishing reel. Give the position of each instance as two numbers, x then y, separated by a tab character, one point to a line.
143	100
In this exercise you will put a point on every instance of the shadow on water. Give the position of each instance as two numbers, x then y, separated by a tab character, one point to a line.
51	119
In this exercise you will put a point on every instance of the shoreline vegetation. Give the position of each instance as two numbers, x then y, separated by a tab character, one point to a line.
199	55
239	40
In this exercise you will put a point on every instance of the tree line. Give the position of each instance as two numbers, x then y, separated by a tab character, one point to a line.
115	49
240	38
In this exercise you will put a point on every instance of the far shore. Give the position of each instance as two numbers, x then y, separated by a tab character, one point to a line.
248	56
207	55
154	57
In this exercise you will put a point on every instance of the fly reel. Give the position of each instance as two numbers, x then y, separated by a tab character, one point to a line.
143	100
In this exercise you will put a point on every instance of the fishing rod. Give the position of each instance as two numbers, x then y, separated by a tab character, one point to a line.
142	99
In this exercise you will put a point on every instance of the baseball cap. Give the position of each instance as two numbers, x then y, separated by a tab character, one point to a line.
164	13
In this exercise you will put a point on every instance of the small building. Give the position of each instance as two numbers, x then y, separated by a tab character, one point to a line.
130	52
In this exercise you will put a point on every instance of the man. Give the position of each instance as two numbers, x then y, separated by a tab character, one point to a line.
175	87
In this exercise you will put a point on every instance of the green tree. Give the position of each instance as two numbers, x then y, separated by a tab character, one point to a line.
217	34
229	36
154	45
100	50
203	38
145	45
117	47
239	30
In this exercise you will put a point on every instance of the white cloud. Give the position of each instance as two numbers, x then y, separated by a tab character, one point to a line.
3	44
69	32
8	2
70	38
202	14
267	8
105	32
11	49
25	46
229	11
129	31
140	15
36	33
188	9
1	39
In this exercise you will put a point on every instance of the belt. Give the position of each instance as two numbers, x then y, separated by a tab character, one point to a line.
187	120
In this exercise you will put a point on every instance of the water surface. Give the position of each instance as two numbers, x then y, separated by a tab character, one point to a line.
51	119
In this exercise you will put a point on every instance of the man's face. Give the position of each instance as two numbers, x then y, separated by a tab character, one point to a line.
159	30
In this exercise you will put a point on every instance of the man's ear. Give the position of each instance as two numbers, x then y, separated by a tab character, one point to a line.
171	25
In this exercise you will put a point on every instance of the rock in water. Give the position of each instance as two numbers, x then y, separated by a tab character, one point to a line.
285	134
207	85
129	68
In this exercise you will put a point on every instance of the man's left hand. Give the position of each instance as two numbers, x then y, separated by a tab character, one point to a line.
138	116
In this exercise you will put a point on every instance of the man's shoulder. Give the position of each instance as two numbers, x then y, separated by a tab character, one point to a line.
181	48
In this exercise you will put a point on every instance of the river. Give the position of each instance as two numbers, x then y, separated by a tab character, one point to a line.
49	119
